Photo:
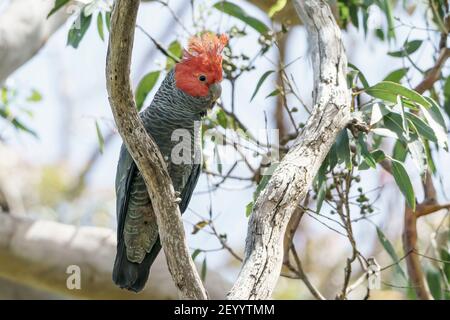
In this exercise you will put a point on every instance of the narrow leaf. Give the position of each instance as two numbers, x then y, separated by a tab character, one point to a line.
101	140
387	245
260	82
100	26
404	183
237	12
388	91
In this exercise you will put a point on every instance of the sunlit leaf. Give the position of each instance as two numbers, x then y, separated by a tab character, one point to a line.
199	226
436	122
236	11
58	5
389	91
176	50
35	96
100	26
396	75
277	7
249	209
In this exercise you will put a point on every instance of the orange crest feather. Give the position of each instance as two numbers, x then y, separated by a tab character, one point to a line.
202	56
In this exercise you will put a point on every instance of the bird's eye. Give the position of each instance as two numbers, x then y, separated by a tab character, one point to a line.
202	78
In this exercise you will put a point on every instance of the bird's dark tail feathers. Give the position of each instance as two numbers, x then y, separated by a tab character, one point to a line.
131	275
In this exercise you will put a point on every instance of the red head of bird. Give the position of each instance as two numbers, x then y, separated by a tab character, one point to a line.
199	72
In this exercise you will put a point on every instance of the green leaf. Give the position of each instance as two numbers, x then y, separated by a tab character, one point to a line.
145	86
429	157
386	7
222	118
78	29
101	140
436	122
196	253
396	75
249	209
417	151
204	269
408	48
447	96
377	155
58	5
237	12
389	91
176	50
199	226
399	153
343	149
17	123
365	152
4	96
108	20
260	82
361	76
273	93
434	282
100	26
423	129
262	184
277	7
321	196
378	111
404	183
387	245
35	96
393	122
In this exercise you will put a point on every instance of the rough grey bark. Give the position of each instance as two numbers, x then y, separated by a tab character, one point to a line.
37	254
145	151
24	29
294	175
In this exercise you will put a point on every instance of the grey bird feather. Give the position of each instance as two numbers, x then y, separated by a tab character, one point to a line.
171	111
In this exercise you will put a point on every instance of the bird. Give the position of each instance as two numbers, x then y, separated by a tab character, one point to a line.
187	92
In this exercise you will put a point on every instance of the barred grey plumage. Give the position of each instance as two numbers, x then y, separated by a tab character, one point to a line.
137	236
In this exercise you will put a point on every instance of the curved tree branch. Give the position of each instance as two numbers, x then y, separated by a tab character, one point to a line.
294	175
145	151
37	254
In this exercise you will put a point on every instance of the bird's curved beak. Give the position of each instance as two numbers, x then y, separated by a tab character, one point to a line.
215	90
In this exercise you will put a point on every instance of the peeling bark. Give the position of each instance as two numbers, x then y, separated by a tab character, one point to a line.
293	177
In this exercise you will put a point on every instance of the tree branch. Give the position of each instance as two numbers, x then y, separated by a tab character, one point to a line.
145	151
294	175
37	254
